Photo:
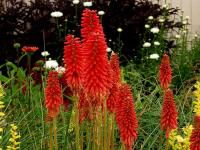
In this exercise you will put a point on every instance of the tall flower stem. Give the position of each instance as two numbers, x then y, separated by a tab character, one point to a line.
51	137
111	132
55	134
105	125
29	78
77	128
167	144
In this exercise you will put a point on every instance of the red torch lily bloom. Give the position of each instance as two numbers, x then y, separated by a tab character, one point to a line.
73	60
90	23
165	72
195	136
169	114
53	94
97	72
126	117
29	49
114	91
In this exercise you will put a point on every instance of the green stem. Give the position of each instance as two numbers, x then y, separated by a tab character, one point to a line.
51	138
167	144
105	125
55	134
77	128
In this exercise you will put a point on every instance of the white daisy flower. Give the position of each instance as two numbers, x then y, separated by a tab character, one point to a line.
177	36
161	20
150	18
147	26
119	30
87	4
187	17
146	44
154	30
109	49
60	69
184	22
56	14
45	53
75	2
156	43
51	64
101	13
154	56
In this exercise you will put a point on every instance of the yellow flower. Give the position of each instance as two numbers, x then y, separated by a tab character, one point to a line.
179	139
2	114
1	91
197	95
13	139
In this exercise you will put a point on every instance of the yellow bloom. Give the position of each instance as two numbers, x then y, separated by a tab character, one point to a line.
197	95
2	114
1	91
13	139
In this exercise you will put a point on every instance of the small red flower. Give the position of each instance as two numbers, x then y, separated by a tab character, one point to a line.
73	60
169	114
29	49
165	72
195	136
126	117
53	94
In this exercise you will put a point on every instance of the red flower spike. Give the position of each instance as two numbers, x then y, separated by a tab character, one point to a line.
73	62
114	63
29	49
112	98
84	108
126	117
97	72
53	94
165	72
169	114
89	23
195	136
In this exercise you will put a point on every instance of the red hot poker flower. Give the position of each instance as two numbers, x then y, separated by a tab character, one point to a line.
53	94
126	117
195	136
169	114
29	49
114	63
114	91
96	69
73	62
89	23
165	72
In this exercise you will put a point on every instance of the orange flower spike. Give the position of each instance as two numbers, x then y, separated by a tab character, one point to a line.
169	114
126	117
165	72
53	94
195	136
